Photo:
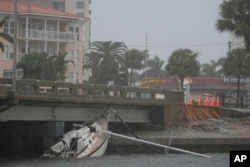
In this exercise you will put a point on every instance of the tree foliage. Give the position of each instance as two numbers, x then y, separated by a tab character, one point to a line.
183	63
43	67
59	63
106	62
4	35
209	69
213	68
154	68
134	59
237	64
235	16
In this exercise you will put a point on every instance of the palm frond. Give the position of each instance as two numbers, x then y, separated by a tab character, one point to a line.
4	19
1	46
7	37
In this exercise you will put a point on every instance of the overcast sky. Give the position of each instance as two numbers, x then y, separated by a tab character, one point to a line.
169	25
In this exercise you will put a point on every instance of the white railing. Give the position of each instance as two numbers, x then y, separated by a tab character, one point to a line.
48	35
73	80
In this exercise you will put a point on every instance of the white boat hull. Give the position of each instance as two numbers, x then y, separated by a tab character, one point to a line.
86	141
101	151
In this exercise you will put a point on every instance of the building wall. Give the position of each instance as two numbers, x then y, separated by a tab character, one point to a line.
44	45
84	28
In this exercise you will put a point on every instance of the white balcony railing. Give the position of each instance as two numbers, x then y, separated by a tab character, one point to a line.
48	35
72	80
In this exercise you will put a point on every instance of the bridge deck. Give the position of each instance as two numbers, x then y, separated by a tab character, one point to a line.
58	101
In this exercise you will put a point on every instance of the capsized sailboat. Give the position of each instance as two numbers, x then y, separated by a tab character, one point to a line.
92	141
83	141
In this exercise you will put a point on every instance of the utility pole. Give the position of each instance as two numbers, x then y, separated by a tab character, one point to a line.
146	53
229	77
15	51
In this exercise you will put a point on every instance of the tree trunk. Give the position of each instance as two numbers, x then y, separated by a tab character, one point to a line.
131	76
181	84
238	90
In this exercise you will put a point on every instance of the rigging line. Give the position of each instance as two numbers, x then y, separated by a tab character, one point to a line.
177	46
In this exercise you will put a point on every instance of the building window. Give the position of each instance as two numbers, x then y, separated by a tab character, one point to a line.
51	51
7	73
79	5
22	52
59	5
77	59
19	73
8	52
51	28
70	55
73	57
73	77
8	27
71	52
75	32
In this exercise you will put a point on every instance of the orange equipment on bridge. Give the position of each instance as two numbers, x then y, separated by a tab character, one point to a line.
212	101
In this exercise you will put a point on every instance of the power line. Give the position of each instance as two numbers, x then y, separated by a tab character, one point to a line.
178	46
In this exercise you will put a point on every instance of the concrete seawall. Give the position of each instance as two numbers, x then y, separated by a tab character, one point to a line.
230	132
204	145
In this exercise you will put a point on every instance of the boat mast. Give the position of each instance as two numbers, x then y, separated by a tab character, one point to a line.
156	144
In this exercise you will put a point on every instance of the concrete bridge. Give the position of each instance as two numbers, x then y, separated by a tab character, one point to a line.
36	100
38	112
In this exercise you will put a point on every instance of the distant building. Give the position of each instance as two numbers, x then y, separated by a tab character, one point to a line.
200	86
44	29
79	7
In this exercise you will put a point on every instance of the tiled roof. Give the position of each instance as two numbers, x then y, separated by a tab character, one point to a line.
212	83
196	83
28	8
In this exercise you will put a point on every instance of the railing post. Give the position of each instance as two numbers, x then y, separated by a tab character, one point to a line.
241	102
54	87
74	90
36	87
223	100
122	92
138	94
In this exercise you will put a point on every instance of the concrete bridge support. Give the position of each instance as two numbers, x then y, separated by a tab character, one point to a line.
173	115
173	110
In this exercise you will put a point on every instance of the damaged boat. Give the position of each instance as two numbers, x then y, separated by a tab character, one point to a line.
92	140
84	140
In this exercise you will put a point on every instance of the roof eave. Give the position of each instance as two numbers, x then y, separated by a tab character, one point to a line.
37	14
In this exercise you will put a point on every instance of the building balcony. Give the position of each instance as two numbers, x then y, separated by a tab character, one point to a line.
48	35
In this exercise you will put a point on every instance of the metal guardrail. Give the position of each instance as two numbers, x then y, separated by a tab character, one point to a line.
43	88
231	102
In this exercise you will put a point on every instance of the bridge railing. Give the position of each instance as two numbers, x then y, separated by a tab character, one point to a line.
233	102
63	89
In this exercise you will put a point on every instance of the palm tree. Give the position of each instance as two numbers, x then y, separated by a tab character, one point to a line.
237	64
235	19
154	68
38	66
220	63
105	60
183	63
60	62
4	35
134	60
209	69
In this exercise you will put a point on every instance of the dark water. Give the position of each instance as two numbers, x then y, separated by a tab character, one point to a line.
128	160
